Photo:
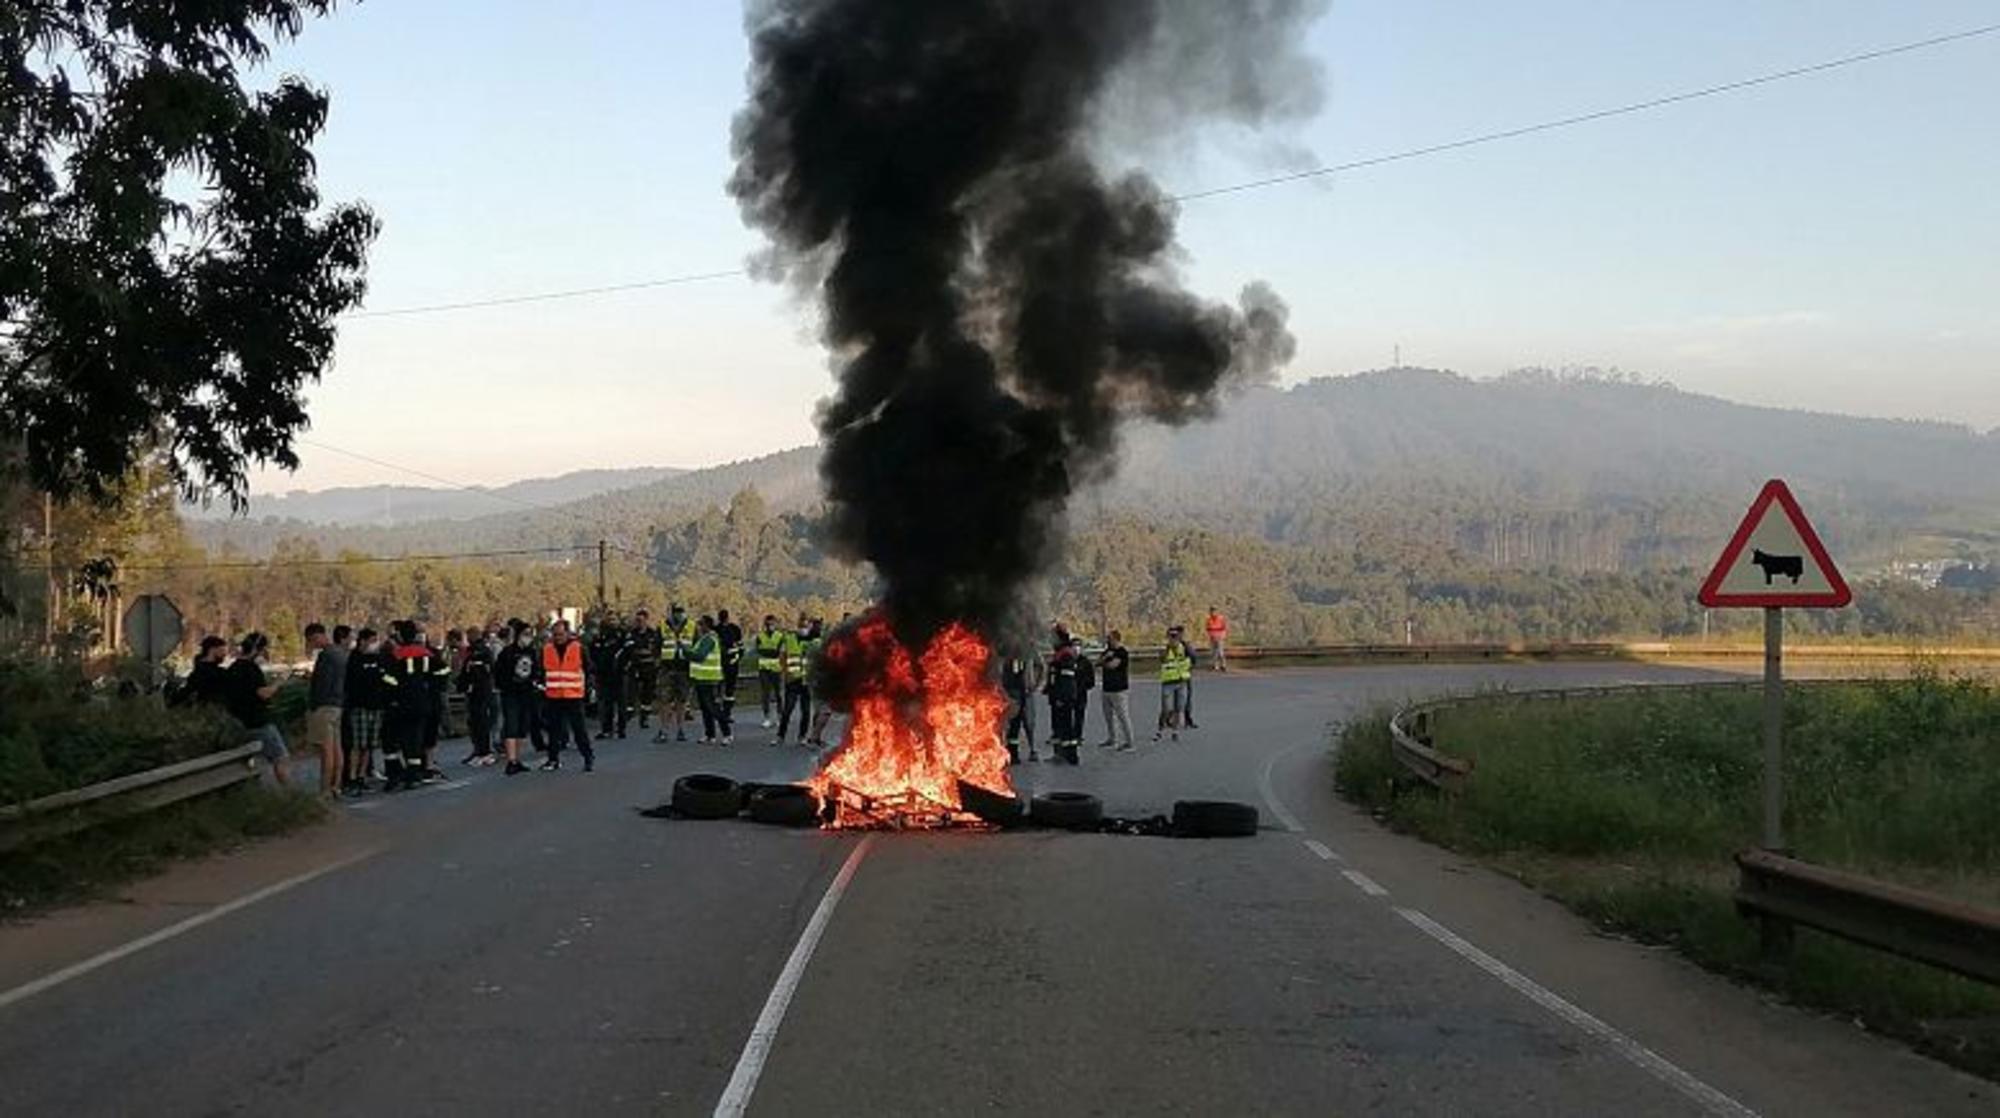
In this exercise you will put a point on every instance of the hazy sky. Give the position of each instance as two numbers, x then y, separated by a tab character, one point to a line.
1832	241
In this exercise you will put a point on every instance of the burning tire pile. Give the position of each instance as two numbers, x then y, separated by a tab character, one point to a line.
708	796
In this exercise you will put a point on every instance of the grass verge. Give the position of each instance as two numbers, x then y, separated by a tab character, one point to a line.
81	866
1628	809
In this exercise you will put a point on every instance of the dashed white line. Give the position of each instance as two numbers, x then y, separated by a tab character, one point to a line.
1703	1095
78	970
750	1065
1708	1098
1364	883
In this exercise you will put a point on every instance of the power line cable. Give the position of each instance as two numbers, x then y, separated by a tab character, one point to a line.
552	296
653	560
1295	176
1586	118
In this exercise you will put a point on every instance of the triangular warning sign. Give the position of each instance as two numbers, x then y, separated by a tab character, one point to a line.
1775	559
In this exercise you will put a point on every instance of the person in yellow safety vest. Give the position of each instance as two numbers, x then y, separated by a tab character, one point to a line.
795	653
824	715
678	634
565	682
1176	670
705	669
769	644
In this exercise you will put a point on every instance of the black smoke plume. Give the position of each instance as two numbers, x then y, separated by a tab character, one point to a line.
995	300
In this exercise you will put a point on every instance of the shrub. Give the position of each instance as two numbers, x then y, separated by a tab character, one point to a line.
56	734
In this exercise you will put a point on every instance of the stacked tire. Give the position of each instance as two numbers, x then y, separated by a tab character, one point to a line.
707	796
1075	811
1214	819
784	805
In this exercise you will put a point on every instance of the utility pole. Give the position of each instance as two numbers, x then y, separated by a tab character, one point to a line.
600	579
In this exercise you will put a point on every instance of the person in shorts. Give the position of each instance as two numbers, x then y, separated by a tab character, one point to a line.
367	698
517	675
248	698
328	697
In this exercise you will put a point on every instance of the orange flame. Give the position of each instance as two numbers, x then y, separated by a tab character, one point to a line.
918	727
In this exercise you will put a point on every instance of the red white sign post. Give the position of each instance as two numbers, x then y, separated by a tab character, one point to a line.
1775	561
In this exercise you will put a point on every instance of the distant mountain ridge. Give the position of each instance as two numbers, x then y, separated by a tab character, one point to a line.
1525	470
390	505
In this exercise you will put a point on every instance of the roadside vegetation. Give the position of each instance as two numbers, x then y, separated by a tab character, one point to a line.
1630	808
57	734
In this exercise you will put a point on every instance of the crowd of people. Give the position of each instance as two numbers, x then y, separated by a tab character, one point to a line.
377	701
1067	675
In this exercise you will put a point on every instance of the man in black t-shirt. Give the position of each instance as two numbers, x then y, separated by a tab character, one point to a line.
1114	668
248	699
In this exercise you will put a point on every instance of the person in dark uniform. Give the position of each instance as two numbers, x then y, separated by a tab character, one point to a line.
475	682
1064	689
731	636
608	656
411	670
1020	680
642	666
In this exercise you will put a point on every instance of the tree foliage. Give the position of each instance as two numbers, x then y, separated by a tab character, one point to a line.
166	275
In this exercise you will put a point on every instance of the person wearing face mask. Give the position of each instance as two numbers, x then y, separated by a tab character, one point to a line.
677	636
517	673
565	679
365	700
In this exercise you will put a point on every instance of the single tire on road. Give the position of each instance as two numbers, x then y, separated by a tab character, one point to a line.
707	796
1074	810
990	806
784	805
1214	819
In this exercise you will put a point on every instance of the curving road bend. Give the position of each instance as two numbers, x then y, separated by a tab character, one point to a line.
531	946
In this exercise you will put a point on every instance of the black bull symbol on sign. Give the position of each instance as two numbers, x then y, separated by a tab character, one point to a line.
1774	565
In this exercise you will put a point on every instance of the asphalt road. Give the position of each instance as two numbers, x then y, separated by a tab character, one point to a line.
532	946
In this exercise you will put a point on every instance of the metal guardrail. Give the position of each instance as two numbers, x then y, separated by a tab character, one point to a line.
1779	891
1929	929
1410	741
82	808
1410	728
1565	650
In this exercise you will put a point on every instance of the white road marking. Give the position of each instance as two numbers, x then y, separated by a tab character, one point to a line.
750	1065
77	970
1703	1095
1364	883
1285	817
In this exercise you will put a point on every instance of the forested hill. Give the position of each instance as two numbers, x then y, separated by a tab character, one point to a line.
389	505
1531	470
